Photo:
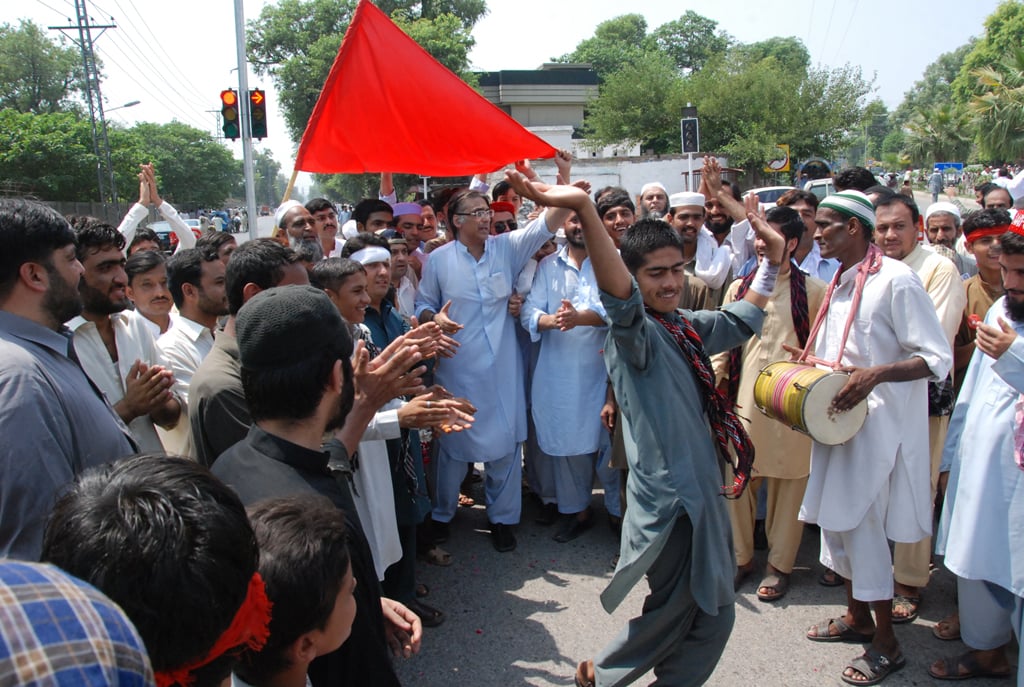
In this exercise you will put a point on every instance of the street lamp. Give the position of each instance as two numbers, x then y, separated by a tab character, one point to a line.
106	147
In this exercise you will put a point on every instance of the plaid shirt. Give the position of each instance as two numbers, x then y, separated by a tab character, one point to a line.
58	630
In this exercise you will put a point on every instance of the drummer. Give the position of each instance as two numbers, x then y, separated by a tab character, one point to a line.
874	487
783	454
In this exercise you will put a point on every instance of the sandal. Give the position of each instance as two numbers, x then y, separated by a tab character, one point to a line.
742	573
909	606
582	670
429	616
776	584
466	501
437	556
822	633
951	625
970	664
874	666
830	578
422	591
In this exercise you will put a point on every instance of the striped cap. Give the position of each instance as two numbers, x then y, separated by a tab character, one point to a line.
852	204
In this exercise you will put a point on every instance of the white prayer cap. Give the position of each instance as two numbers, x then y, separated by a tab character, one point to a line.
653	185
851	203
349	229
678	200
283	210
942	206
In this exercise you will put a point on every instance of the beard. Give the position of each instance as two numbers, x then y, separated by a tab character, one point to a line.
719	226
309	250
62	300
1014	307
100	303
345	400
652	213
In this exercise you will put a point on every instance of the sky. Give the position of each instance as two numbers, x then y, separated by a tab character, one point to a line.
176	57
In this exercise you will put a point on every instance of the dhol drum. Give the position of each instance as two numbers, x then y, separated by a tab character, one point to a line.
800	396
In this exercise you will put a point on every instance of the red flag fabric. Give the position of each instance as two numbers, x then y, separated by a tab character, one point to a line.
370	116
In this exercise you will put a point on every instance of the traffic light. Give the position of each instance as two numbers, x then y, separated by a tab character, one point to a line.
229	111
258	113
691	135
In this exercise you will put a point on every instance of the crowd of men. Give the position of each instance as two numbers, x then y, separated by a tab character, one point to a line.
342	379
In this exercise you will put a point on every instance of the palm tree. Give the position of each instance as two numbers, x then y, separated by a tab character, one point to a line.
999	111
943	133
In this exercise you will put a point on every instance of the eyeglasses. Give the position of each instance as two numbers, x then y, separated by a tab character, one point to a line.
479	214
505	225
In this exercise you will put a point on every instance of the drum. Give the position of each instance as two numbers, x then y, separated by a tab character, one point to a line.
800	396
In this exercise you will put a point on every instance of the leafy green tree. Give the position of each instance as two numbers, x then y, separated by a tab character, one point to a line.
690	41
37	74
48	156
639	104
999	110
269	183
936	84
1004	31
938	135
295	42
616	43
790	53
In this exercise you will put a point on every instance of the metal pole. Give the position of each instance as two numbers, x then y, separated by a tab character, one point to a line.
243	111
689	175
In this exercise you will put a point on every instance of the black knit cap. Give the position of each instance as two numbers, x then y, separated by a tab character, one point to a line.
285	325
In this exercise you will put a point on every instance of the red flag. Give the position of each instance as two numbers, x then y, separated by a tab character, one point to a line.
371	116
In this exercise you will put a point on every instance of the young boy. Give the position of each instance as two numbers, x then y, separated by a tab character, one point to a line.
171	545
305	564
676	529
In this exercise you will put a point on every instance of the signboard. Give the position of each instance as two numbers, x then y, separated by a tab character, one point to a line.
948	167
780	163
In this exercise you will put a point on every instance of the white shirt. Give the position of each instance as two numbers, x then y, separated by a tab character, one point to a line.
137	213
183	346
896	321
405	296
817	266
713	261
134	342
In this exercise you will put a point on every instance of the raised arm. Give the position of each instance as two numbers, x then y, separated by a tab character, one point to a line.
612	276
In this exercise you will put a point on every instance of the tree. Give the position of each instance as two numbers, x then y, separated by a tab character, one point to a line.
48	156
269	182
616	43
999	110
37	74
295	42
1004	31
935	86
690	41
790	53
639	104
937	135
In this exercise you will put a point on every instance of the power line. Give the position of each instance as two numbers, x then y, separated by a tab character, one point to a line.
137	53
828	27
853	14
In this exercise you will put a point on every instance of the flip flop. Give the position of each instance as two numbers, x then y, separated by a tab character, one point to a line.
970	664
777	582
875	666
422	591
908	604
581	679
830	578
820	633
429	616
435	555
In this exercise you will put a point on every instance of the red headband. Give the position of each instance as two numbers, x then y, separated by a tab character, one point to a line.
991	231
503	206
250	627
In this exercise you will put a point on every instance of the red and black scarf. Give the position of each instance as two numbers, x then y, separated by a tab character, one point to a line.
726	427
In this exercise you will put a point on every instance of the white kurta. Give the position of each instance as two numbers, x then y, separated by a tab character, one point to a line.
981	531
488	368
896	321
570	379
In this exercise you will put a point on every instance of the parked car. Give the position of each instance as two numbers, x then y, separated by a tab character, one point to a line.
820	187
767	195
168	239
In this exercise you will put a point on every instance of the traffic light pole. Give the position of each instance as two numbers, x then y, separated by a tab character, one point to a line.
243	111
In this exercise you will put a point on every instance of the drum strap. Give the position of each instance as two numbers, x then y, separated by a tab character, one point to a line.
726	427
798	311
871	263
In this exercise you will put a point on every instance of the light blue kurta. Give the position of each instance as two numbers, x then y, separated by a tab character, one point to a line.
674	469
569	381
488	368
981	531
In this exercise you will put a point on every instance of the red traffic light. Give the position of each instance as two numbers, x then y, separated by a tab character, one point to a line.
229	98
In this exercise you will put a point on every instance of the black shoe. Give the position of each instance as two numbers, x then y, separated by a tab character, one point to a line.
548	514
429	616
442	530
502	537
573	528
760	538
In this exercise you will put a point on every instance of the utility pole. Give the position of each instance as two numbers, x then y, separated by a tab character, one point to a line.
243	98
94	98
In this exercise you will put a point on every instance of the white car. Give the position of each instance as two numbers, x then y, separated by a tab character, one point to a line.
820	187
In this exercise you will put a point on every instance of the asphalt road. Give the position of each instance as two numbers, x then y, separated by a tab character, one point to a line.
527	617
